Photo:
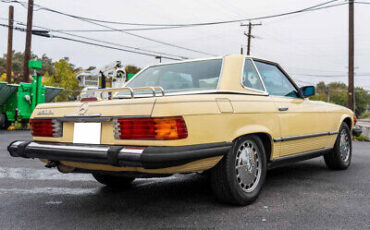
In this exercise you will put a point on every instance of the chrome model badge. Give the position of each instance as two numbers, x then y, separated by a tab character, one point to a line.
46	112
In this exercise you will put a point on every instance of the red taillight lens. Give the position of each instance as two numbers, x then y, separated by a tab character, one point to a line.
167	128
46	128
89	99
354	120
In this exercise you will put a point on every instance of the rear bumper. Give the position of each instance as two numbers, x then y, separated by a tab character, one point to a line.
147	157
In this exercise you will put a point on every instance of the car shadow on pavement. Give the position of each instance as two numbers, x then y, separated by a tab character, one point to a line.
169	200
192	191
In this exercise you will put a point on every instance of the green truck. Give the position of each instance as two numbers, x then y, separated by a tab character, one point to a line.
17	101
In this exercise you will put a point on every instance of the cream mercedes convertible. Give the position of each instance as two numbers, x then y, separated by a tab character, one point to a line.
234	117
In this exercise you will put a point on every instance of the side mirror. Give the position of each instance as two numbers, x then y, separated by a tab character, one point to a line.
307	91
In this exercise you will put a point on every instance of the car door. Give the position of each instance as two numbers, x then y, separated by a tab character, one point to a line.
301	121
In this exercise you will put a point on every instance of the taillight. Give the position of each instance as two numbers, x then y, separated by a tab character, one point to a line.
354	120
89	99
46	128
167	128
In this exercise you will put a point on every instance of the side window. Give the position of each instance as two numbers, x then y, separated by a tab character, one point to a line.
250	76
276	82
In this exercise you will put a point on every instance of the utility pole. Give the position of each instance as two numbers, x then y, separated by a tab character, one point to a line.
351	56
10	45
27	51
249	34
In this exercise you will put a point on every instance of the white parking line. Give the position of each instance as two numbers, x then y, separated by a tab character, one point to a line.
42	174
53	174
52	202
51	191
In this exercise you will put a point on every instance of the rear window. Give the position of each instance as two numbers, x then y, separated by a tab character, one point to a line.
186	76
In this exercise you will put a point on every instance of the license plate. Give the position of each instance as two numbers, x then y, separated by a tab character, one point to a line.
87	133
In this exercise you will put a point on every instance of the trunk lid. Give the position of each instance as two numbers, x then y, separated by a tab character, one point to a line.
126	107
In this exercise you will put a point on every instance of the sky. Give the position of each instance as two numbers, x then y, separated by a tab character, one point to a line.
311	46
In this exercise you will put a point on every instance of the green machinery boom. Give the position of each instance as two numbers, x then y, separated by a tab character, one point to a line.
17	102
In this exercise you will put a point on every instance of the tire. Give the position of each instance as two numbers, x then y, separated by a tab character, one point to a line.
340	157
4	122
113	181
229	183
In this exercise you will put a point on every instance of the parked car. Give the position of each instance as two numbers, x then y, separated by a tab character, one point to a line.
234	116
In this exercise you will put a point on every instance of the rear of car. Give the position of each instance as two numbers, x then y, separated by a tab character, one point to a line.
134	131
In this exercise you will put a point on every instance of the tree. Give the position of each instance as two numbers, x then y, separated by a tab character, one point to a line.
321	92
362	99
337	93
132	69
17	65
47	65
64	77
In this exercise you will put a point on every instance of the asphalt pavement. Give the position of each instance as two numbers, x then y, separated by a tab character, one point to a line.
304	195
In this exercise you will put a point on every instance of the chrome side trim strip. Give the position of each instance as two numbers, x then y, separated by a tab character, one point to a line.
291	138
333	132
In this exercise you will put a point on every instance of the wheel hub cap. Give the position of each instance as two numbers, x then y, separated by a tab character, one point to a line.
247	166
344	146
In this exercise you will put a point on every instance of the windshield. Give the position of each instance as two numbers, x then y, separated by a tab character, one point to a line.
186	76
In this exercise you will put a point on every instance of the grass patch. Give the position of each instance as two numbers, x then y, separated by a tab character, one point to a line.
361	138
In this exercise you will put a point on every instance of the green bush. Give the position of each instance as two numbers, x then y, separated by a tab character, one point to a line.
364	115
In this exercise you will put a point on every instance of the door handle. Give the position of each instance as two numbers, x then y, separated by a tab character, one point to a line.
283	108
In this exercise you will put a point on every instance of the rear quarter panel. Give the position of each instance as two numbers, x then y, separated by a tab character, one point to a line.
210	119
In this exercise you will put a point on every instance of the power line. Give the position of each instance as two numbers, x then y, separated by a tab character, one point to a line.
320	6
94	21
109	27
45	34
329	75
106	42
149	39
314	7
110	30
111	47
364	3
166	27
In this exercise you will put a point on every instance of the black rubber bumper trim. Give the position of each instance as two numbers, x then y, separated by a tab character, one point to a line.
20	150
150	158
162	157
112	155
